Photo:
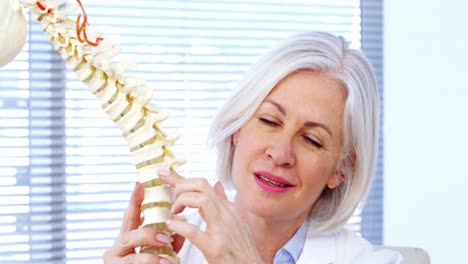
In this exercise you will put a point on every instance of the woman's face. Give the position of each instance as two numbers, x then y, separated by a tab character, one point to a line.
289	150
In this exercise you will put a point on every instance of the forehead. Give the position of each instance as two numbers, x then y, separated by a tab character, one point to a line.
311	91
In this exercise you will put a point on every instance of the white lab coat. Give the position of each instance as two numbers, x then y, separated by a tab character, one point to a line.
341	247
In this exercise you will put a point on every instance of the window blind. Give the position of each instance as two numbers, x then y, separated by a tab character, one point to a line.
65	169
372	45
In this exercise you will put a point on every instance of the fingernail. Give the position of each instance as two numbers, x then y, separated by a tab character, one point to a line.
164	173
164	261
163	238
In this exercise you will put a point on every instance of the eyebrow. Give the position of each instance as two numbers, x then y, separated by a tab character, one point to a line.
307	123
280	108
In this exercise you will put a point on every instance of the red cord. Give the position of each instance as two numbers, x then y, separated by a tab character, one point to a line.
81	28
42	7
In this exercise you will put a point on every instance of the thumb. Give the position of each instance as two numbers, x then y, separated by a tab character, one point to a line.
219	190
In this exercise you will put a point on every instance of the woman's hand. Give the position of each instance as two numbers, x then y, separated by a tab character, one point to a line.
226	238
131	237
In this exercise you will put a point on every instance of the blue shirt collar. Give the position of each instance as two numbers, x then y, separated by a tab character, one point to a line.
291	251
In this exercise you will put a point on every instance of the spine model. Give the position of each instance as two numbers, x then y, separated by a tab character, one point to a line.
13	30
125	99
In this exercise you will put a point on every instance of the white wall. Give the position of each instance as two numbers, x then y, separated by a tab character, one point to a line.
426	127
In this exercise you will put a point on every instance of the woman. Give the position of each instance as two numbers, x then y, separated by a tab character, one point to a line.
297	141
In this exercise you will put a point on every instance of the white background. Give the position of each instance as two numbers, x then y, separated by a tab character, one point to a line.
426	127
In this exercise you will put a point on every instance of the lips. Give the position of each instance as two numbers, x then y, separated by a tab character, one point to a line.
271	183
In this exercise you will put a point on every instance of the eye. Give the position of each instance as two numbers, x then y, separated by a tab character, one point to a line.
267	121
312	142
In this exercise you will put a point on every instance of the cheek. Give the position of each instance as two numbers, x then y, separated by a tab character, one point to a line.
238	163
316	175
245	154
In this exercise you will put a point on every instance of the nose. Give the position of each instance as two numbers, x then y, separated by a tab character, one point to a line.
281	151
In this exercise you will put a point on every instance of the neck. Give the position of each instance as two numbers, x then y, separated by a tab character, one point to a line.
270	234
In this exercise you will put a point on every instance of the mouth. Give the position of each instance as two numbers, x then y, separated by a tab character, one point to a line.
271	183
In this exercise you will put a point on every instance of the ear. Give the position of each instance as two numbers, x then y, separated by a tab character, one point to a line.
336	179
235	137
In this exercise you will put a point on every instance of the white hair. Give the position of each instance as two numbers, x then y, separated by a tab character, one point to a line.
330	55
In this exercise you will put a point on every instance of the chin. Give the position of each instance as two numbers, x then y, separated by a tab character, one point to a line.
262	207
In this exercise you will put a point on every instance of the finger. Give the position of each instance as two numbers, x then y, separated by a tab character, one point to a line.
169	177
219	190
128	241
205	204
187	230
193	185
132	214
